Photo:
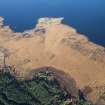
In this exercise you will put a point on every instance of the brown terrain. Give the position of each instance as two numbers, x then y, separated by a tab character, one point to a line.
54	44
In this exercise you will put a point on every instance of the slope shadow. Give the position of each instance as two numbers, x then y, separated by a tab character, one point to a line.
65	80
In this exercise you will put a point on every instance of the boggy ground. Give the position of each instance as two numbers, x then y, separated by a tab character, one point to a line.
59	46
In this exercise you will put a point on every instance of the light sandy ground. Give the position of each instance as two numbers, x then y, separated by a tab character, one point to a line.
60	47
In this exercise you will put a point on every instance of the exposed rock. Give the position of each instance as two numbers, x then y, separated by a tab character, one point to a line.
43	22
40	31
1	21
98	54
7	29
26	34
1	58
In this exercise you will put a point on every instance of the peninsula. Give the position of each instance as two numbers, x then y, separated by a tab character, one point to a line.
54	44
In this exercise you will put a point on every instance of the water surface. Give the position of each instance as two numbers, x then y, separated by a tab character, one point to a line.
87	16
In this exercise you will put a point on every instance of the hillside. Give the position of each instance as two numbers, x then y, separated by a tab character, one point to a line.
57	45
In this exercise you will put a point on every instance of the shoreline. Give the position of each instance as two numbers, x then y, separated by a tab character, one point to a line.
44	20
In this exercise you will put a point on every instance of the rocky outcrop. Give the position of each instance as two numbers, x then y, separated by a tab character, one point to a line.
81	44
1	59
48	21
1	21
3	54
